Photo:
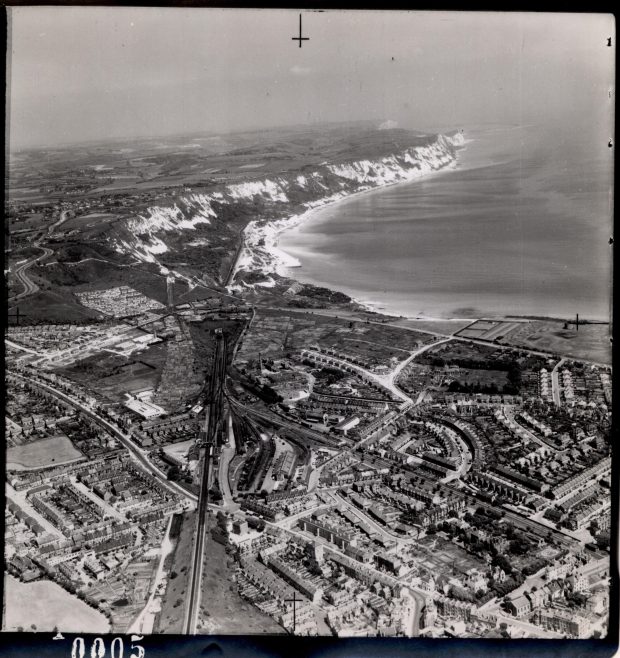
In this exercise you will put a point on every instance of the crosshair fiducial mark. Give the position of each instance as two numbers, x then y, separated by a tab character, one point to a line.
300	38
294	600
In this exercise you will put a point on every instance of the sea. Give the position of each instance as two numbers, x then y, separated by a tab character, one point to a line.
520	226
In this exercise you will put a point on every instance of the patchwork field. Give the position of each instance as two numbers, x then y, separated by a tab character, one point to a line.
90	220
489	330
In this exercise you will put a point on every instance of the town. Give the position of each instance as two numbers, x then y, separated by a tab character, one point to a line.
359	478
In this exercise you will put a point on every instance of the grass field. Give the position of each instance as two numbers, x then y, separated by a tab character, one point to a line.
115	375
45	605
55	450
179	449
52	307
483	378
92	219
590	342
222	610
170	619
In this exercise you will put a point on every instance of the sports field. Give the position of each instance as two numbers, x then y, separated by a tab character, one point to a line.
43	605
55	450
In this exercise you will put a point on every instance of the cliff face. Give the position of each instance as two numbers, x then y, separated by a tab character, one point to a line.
199	233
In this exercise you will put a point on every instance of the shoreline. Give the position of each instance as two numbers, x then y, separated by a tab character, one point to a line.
262	255
286	261
260	248
282	262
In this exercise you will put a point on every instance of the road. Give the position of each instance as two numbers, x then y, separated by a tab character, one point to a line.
516	518
530	629
393	376
22	348
509	413
226	455
139	455
387	381
110	511
208	438
289	522
555	383
411	624
21	499
30	287
62	219
365	518
146	619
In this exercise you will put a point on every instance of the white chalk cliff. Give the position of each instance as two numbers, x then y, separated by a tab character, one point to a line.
289	196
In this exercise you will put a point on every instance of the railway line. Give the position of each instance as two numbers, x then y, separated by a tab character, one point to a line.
208	442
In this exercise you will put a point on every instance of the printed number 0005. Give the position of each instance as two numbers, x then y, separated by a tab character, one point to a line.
98	650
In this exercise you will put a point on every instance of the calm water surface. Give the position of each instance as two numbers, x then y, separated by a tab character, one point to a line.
520	227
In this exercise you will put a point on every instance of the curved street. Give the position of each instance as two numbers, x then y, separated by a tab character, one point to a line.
30	287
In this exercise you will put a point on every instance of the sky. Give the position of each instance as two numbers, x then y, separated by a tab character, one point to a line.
104	73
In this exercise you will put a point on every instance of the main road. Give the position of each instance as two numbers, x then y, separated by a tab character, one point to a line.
387	381
30	287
